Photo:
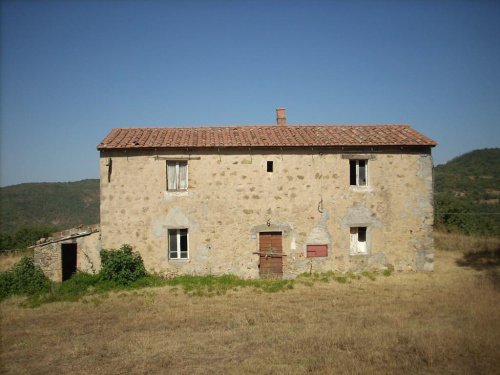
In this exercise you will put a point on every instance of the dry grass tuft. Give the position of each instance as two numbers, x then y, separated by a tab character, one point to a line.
465	244
9	258
414	323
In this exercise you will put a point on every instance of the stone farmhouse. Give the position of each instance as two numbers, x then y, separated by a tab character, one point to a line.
259	201
274	200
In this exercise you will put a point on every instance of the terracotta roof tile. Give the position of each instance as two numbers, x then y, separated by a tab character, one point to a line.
264	136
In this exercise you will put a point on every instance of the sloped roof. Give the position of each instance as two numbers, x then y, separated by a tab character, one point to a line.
264	136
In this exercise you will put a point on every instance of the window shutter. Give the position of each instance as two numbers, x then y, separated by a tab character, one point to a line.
182	176
171	176
362	172
354	240
172	243
362	240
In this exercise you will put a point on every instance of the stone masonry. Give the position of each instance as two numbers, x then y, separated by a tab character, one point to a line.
231	198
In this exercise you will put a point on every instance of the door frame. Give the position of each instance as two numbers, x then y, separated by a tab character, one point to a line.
69	259
271	259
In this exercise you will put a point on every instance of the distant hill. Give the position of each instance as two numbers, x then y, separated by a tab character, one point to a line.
61	204
467	192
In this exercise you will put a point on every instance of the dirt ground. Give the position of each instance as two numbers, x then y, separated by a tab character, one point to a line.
445	322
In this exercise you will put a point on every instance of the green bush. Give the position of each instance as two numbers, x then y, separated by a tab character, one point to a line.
23	278
6	282
6	241
122	266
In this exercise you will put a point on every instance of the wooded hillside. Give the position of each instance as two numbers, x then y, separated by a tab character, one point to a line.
467	193
61	205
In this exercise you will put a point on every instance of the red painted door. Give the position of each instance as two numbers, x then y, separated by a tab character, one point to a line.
270	255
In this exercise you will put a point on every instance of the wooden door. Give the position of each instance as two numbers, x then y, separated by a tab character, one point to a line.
270	255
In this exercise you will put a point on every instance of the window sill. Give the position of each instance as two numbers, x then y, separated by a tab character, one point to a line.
360	189
176	193
359	254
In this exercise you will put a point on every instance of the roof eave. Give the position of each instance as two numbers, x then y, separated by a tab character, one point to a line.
154	148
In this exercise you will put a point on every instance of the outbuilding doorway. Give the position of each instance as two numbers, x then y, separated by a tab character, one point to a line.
68	260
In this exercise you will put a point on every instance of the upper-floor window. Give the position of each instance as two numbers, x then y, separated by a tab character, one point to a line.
358	172
177	175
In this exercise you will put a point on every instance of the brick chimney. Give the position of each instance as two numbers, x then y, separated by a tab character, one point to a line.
280	116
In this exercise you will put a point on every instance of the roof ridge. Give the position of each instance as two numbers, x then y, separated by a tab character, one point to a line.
274	126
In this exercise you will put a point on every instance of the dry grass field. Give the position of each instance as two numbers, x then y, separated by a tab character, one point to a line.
446	322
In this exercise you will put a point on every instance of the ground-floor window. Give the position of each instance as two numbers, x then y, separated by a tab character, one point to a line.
358	241
178	244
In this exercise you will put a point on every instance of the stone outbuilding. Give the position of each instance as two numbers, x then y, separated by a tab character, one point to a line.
66	252
275	200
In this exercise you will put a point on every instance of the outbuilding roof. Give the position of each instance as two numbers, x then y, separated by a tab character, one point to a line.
263	136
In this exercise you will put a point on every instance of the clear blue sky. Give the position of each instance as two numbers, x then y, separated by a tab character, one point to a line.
72	70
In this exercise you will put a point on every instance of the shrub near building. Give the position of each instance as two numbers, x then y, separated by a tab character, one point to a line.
122	266
23	278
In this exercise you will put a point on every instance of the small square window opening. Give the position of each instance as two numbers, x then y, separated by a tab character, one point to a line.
269	166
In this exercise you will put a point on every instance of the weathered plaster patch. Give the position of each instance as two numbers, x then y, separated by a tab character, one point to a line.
377	261
173	195
175	218
359	215
319	233
424	166
424	260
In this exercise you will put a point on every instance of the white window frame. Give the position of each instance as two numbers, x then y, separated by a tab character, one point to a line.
176	178
357	172
357	246
178	253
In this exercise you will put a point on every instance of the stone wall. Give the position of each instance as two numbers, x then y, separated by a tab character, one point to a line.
231	198
88	253
48	258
